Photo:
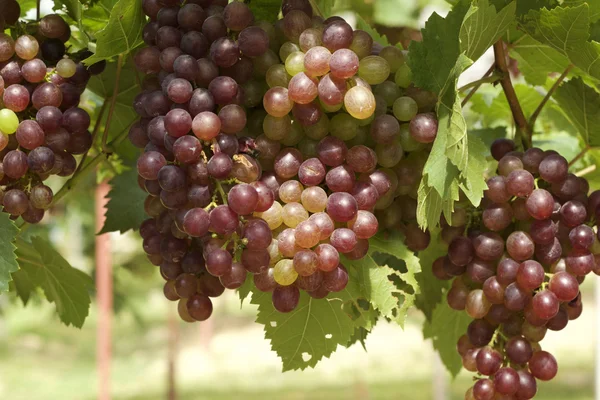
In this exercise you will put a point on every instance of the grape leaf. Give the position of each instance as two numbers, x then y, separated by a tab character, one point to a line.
499	110
265	10
312	331
8	259
73	7
325	7
566	29
594	7
122	33
360	335
444	329
536	60
123	115
431	288
385	12
580	104
125	208
377	37
67	287
437	62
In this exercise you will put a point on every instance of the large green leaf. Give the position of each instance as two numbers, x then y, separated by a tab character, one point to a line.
566	29
580	103
67	287
312	331
125	208
122	34
444	329
537	60
449	46
8	258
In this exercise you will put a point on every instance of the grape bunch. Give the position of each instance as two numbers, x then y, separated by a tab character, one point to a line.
271	149
41	127
517	269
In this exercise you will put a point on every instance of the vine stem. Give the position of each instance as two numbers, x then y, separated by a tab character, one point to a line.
539	108
37	9
580	155
511	95
485	79
113	101
478	85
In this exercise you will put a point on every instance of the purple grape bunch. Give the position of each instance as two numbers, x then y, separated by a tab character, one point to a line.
41	126
271	151
518	267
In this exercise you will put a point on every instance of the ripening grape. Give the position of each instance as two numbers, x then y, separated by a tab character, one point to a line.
359	102
9	122
284	272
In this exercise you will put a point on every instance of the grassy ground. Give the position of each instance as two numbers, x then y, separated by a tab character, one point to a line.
40	359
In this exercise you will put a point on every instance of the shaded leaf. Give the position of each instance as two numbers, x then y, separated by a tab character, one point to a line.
580	103
8	258
125	208
536	60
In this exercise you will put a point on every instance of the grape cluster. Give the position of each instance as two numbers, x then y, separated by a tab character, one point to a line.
271	149
41	127
518	268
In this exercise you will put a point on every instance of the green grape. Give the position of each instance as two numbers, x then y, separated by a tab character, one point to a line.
294	64
286	49
393	56
293	214
366	121
403	76
295	135
9	122
362	43
405	108
308	147
374	69
361	137
388	91
277	128
284	272
274	253
343	126
330	109
263	62
66	68
388	155
407	142
319	130
273	216
278	76
314	199
359	102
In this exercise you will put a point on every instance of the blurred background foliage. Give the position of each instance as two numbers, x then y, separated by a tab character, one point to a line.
227	357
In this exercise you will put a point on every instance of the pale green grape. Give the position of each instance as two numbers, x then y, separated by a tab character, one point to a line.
393	56
277	128
66	68
314	199
294	64
403	76
374	69
359	102
9	122
389	91
294	136
319	130
273	216
293	214
284	272
405	108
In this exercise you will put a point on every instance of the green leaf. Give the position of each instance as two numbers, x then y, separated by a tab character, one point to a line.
437	62
536	60
8	259
73	7
122	34
499	110
125	208
23	285
324	6
483	26
580	104
265	10
360	335
566	29
593	5
68	288
304	336
385	12
431	288
246	288
444	329
377	37
124	115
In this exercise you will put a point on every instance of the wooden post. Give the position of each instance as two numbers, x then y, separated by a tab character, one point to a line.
104	295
